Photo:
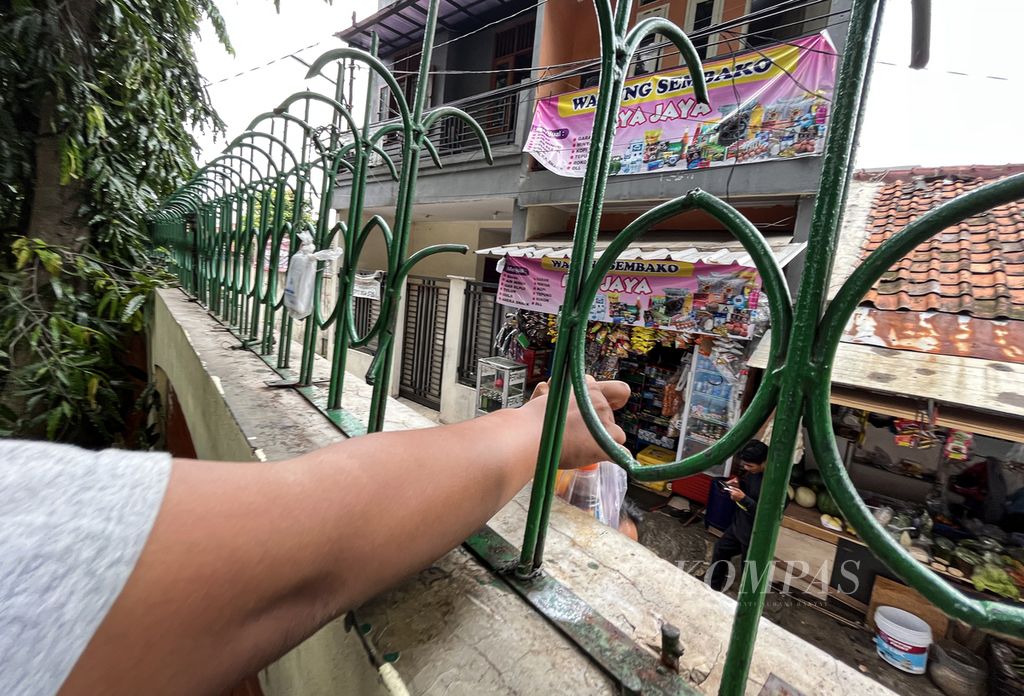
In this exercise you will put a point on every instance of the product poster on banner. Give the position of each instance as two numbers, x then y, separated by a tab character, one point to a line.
672	295
767	105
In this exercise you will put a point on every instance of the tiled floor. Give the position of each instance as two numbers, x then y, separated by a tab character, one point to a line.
424	411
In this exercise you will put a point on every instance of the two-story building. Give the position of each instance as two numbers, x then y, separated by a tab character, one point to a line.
499	60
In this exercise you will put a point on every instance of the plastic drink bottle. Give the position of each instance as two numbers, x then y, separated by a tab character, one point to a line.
586	489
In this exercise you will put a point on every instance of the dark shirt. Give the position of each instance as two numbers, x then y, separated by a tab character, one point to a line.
743	520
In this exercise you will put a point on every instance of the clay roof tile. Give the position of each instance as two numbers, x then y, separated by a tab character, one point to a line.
974	268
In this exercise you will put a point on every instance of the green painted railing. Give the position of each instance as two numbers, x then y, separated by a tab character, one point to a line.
225	229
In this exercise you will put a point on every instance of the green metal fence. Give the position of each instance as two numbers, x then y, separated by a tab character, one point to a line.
225	230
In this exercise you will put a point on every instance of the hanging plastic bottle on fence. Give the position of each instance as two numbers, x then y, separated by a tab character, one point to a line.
599	489
298	286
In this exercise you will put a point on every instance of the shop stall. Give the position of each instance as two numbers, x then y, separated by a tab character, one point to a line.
676	322
946	480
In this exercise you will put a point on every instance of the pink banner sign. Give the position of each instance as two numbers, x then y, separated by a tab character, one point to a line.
765	105
672	295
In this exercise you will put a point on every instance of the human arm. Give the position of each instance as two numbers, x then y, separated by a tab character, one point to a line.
246	560
739	495
745	495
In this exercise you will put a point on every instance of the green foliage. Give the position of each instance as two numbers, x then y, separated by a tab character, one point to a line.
289	207
99	97
67	382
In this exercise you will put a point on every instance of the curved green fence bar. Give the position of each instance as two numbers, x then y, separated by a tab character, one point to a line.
225	228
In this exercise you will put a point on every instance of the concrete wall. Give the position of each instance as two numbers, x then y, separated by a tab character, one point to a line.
465	177
853	231
545	220
425	234
358	363
374	255
490	238
801	233
457	400
471	53
788	178
215	431
474	234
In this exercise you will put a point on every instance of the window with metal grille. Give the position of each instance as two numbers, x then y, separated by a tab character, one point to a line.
405	68
513	54
784	26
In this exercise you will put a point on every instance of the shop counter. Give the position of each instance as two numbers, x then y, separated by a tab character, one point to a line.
811	558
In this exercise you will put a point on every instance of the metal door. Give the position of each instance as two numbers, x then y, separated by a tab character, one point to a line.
426	310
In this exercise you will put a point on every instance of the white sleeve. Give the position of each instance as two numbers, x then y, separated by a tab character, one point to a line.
72	526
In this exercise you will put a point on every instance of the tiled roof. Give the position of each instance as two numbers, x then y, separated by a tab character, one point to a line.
974	268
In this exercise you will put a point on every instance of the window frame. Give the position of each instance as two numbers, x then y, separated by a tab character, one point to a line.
717	9
655	11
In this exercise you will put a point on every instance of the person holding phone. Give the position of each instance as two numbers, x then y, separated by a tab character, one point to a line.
744	493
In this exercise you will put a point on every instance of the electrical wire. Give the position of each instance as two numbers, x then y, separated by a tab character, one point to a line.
263	65
734	37
523	86
586	63
1000	78
527	84
752	16
560	77
460	37
736	96
526	101
783	69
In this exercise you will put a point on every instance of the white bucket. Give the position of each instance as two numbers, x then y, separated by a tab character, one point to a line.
902	639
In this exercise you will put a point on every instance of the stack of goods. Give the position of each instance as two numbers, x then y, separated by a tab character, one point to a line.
643	417
611	339
535	326
983	555
642	340
655	428
552	329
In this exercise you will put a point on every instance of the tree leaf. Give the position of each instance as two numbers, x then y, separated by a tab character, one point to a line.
51	260
132	307
96	120
94	383
52	423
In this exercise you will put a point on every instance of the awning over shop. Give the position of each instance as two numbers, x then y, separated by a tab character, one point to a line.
693	251
682	286
985	397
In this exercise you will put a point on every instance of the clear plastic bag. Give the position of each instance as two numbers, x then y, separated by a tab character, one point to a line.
298	286
599	489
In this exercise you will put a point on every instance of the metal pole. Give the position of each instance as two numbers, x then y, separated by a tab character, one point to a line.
800	370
